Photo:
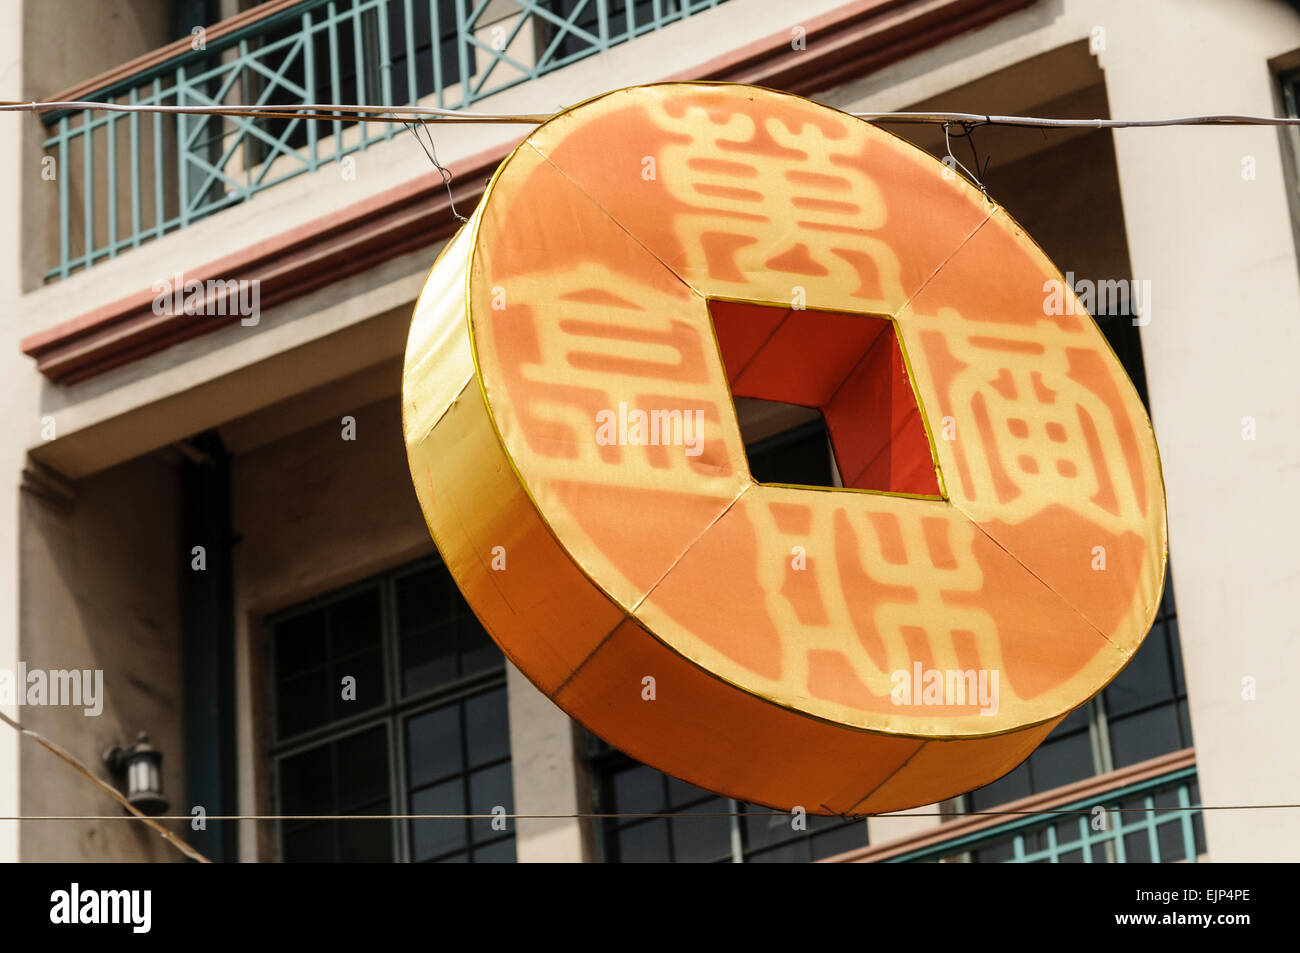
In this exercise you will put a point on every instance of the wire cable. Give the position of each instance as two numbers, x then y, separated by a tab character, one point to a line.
427	114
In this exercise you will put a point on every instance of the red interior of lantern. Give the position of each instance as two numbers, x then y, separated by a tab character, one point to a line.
848	366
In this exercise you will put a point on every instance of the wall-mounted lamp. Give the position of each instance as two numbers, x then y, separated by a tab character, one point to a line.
141	766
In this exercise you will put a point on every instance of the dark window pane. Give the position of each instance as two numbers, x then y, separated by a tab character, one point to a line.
837	841
1169	830
429	659
1061	761
638	790
355	623
997	853
642	842
1010	787
478	653
368	688
304	702
763	829
362	764
366	842
702	839
1076	720
1144	735
314	844
306	783
1167	607
487	729
433	745
794	852
1137	849
1067	831
1184	725
498	852
299	644
1146	679
423	599
435	836
489	789
681	794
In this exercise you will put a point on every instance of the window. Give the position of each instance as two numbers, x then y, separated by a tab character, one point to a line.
752	835
426	732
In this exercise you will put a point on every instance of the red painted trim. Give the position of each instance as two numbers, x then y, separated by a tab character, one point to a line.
846	43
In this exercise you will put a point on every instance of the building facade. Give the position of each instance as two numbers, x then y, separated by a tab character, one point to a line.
214	509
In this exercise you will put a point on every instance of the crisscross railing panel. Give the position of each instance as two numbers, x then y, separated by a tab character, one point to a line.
1157	820
118	189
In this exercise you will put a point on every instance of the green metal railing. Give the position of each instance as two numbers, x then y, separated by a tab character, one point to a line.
1160	822
127	178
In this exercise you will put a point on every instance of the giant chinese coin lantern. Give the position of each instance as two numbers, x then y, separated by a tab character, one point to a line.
996	553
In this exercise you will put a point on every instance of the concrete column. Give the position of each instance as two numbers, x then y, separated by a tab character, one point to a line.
547	775
1221	353
19	422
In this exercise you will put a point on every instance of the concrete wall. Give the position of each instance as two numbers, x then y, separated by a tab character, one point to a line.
99	586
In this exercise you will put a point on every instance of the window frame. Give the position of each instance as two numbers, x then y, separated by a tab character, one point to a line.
393	712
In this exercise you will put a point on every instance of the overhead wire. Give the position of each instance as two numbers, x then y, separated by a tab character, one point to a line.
433	114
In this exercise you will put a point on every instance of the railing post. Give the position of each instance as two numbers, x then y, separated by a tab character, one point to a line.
335	83
435	26
1153	837
463	52
385	62
182	166
88	187
359	58
65	210
110	196
159	199
134	128
412	89
309	83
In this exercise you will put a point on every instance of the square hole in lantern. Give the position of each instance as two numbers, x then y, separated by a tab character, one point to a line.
850	368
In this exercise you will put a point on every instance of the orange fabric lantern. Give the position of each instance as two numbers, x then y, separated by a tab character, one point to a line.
997	552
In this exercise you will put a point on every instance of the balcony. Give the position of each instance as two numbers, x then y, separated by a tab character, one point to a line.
1152	815
125	179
